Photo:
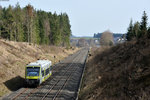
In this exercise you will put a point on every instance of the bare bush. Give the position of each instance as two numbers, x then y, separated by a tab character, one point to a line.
107	39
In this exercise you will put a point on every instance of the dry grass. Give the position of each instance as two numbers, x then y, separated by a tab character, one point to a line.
15	55
119	73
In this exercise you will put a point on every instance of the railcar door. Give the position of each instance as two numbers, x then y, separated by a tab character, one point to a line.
42	72
50	69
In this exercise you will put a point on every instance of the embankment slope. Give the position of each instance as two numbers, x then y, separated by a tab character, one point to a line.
15	55
118	73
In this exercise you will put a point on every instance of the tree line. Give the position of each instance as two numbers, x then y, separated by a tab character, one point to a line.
115	35
138	29
34	26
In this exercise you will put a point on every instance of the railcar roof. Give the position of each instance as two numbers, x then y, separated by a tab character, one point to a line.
40	63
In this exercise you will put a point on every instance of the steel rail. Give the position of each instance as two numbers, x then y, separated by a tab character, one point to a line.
59	91
19	94
59	79
34	90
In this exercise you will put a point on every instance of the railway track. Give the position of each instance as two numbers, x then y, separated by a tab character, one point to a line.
64	81
68	75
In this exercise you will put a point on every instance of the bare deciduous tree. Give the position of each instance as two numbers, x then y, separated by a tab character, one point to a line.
107	39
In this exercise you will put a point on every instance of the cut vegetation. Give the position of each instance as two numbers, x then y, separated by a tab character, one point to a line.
15	55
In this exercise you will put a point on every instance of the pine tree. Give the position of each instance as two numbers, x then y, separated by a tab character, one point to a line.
67	30
55	32
29	25
19	18
61	27
130	31
34	30
47	30
148	33
44	27
1	20
9	24
37	30
143	24
40	26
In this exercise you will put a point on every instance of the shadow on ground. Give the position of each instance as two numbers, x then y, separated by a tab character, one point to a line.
15	83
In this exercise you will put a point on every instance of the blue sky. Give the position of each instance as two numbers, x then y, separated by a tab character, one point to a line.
91	16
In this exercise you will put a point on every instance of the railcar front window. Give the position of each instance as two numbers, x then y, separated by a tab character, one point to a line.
33	71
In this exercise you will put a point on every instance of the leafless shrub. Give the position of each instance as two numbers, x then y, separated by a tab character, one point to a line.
107	39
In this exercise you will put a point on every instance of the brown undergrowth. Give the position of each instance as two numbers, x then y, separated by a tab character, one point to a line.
119	73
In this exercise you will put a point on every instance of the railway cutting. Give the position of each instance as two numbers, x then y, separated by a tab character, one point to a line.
63	83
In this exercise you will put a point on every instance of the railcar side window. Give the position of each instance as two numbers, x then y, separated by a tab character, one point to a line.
50	68
42	73
47	71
